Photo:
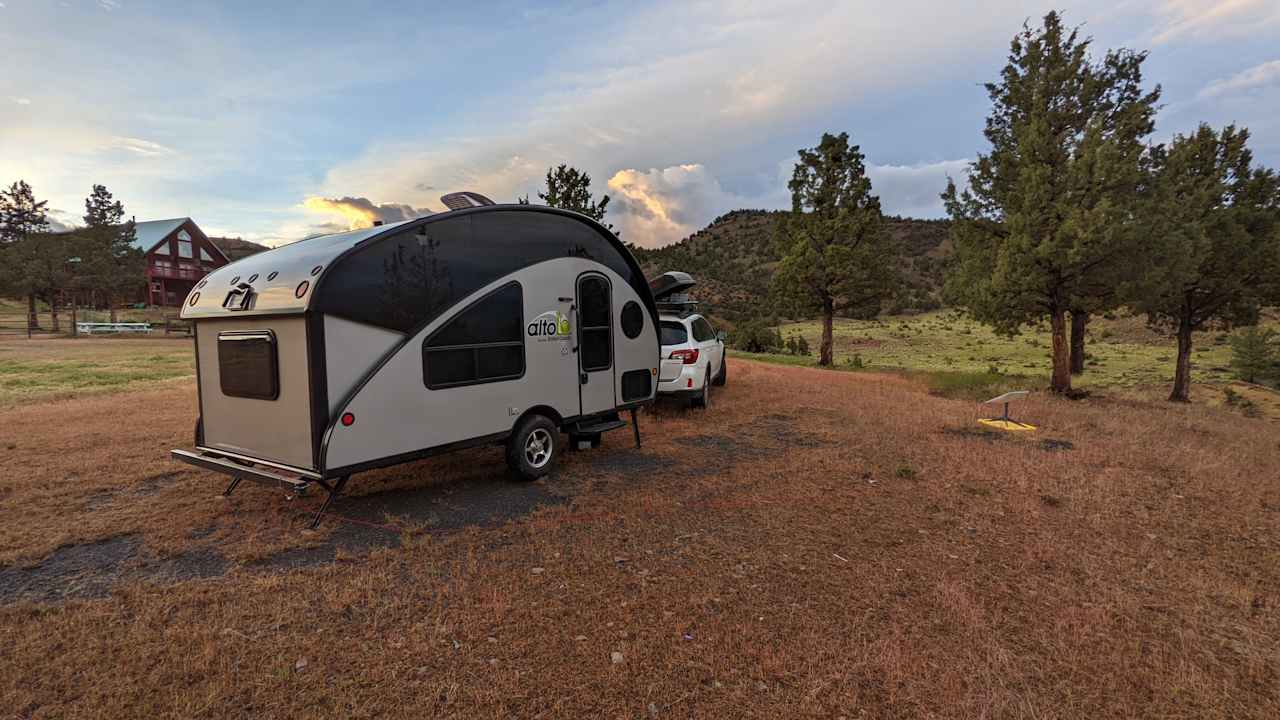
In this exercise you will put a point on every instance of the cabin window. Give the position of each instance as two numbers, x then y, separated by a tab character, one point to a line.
247	365
482	343
673	333
205	256
184	249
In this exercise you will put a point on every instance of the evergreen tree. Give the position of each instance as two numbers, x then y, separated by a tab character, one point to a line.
1253	354
836	256
110	262
1046	225
1214	224
22	218
569	188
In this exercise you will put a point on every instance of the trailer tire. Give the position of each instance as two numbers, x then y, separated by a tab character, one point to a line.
532	447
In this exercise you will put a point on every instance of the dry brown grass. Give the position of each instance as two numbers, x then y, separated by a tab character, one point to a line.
817	545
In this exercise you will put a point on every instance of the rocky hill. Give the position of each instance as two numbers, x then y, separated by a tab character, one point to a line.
733	260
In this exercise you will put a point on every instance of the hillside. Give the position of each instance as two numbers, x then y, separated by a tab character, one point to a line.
734	258
235	248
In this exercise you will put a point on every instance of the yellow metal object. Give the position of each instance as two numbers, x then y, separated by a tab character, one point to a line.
1010	425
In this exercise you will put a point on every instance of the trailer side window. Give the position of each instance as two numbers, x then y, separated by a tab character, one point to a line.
482	343
247	365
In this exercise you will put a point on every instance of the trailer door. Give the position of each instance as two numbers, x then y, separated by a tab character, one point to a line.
595	344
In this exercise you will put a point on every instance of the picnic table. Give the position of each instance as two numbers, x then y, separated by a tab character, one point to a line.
90	328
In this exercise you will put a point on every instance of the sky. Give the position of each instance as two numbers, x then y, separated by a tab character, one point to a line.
276	121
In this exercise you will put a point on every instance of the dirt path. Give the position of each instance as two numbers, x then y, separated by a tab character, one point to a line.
817	544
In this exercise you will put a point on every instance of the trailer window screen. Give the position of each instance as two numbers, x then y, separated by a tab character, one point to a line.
482	343
593	316
247	365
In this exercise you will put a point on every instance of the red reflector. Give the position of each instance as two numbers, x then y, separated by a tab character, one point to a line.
689	357
690	383
348	419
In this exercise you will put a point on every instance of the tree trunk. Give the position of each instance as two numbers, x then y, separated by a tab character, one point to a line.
1079	321
53	314
1182	375
75	328
33	320
828	316
1061	380
111	303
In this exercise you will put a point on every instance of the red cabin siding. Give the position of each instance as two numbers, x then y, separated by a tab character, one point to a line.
175	265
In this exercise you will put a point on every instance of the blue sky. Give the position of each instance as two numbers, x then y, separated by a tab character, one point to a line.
272	121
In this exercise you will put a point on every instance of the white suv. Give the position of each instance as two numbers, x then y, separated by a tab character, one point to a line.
693	358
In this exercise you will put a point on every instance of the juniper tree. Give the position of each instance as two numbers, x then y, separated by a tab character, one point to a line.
1045	226
836	256
570	189
1214	233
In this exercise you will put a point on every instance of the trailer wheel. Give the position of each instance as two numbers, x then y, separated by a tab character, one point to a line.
532	447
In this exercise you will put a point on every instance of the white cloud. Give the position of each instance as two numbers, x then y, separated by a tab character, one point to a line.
913	190
1259	76
659	206
1213	19
109	5
138	146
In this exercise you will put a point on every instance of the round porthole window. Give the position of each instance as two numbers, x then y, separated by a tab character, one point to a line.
632	319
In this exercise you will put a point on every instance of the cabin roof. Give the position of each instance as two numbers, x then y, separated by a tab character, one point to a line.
149	233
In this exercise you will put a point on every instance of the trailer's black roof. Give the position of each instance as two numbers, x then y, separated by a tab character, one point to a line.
398	275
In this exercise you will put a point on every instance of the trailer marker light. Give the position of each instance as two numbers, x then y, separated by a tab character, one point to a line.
348	419
252	278
302	289
316	270
272	275
235	280
195	298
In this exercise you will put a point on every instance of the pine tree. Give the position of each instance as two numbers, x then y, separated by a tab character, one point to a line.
569	188
1214	228
836	256
1046	225
22	218
110	262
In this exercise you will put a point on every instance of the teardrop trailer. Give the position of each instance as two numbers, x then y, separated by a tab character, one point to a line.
487	324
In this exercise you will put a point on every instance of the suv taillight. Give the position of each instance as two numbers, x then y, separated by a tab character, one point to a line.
689	357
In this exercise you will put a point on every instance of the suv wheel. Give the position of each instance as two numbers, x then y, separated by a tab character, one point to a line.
531	450
703	398
723	375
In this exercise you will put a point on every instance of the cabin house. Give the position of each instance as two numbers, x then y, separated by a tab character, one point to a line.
179	255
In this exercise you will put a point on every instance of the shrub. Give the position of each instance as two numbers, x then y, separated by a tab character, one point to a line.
755	336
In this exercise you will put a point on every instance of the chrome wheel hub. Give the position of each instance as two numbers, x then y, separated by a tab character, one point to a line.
538	447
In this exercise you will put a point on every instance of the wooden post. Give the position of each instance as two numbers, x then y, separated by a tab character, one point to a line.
75	327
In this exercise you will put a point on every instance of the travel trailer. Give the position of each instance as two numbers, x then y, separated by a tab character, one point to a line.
486	324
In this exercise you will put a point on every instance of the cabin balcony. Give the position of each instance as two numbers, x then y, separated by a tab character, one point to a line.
178	273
